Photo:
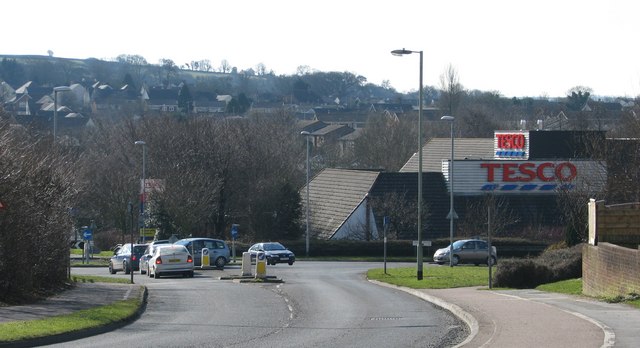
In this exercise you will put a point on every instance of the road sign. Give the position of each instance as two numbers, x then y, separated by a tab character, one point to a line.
87	234
424	243
234	231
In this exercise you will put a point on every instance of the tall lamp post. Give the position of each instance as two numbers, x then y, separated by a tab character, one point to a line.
130	211
306	135
452	213
57	90
419	257
143	197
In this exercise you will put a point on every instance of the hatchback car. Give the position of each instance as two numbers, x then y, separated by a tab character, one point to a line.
170	259
274	252
126	260
467	251
219	253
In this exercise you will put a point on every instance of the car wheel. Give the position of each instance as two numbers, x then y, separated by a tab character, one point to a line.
191	274
220	262
125	268
111	270
156	275
491	261
455	260
290	263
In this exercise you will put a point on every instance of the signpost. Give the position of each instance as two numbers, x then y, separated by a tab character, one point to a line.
234	236
386	228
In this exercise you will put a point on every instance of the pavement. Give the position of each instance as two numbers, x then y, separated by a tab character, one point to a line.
496	318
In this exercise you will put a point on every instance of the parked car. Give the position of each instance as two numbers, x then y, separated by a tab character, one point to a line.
274	252
467	251
170	259
144	259
219	253
126	260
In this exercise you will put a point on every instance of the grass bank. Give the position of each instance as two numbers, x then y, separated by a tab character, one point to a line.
77	321
440	277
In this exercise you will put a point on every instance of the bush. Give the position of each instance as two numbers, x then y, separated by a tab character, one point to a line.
551	266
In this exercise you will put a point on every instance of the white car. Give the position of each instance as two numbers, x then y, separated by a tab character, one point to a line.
170	259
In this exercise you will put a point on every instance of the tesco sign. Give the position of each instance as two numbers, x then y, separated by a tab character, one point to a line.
511	144
526	177
529	171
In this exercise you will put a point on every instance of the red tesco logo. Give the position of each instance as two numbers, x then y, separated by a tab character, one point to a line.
511	141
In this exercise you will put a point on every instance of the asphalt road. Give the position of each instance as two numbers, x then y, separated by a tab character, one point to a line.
319	304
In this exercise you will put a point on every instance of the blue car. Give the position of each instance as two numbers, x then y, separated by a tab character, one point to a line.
126	260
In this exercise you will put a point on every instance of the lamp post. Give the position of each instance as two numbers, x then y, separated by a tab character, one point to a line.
419	257
57	90
130	210
143	197
452	213
306	135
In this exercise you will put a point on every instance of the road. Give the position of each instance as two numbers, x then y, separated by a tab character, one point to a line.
319	304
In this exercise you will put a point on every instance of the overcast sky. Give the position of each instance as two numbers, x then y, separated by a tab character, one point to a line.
517	48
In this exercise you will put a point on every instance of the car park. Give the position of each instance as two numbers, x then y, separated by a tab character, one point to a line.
472	251
274	253
219	252
170	259
127	258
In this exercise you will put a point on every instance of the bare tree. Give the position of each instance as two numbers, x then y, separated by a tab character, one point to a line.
225	66
452	90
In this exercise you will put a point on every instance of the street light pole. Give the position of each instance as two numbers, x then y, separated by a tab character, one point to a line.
130	210
144	185
56	90
306	134
452	213
419	252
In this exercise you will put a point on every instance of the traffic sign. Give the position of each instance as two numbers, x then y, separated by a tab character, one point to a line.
88	234
234	231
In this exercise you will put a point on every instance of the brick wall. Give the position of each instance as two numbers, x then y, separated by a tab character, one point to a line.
610	270
611	259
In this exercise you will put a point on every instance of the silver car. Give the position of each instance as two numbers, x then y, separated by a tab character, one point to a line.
467	251
219	252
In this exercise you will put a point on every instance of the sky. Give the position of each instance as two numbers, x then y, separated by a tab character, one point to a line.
537	48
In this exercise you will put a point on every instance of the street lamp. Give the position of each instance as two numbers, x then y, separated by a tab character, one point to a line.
130	210
143	198
419	257
57	90
452	213
307	134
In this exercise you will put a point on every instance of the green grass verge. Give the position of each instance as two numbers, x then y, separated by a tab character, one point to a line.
440	277
570	287
98	279
85	319
104	253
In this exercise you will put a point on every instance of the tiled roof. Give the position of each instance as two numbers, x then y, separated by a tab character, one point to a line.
438	149
334	194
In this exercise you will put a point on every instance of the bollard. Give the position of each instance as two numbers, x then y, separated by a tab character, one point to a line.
261	265
204	261
246	264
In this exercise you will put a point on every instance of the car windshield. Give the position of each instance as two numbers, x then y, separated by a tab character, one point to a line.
458	244
273	246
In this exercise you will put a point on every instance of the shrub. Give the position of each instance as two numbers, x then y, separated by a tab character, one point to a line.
551	266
